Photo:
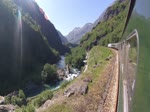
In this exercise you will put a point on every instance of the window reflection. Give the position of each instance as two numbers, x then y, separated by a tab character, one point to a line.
131	61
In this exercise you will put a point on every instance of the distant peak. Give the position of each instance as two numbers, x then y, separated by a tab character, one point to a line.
89	24
76	28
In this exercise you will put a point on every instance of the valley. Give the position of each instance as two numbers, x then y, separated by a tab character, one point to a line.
44	71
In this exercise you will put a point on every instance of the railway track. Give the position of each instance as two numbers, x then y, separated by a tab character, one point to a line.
111	90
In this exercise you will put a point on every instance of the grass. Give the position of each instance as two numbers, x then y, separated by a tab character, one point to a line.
64	84
96	62
59	108
36	102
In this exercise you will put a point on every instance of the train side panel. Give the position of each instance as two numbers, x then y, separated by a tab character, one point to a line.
135	61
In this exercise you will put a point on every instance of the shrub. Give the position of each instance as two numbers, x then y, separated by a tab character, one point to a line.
16	100
29	108
21	94
49	73
39	100
7	100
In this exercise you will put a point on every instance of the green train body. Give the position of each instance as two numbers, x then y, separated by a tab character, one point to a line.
134	51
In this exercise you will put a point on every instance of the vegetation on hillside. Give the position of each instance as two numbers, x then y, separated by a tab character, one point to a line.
49	73
36	102
98	71
18	99
109	30
17	11
59	108
75	59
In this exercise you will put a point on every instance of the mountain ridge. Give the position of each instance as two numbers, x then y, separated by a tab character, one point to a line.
75	35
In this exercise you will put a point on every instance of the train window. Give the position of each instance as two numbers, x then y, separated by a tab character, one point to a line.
131	66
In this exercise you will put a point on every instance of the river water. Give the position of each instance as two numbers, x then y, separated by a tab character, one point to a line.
61	64
37	89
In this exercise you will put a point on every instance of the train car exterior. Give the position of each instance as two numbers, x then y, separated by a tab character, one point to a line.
134	51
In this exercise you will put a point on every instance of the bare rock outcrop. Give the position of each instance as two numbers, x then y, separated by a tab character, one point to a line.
1	99
61	73
78	88
87	79
84	89
7	108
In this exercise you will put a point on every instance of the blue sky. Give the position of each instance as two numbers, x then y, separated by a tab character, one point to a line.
68	14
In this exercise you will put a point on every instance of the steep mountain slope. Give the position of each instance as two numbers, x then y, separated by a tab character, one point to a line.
27	42
31	8
63	38
108	30
76	34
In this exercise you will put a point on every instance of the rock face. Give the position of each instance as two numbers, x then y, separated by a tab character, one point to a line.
7	108
110	13
2	99
70	91
61	73
83	89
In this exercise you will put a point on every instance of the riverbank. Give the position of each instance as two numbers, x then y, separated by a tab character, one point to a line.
86	92
64	74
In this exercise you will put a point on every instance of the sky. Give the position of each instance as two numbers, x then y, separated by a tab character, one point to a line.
68	14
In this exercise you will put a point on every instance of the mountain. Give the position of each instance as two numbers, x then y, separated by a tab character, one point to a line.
76	34
47	28
109	29
63	38
28	40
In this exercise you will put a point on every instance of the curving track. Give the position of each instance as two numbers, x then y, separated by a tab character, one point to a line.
110	102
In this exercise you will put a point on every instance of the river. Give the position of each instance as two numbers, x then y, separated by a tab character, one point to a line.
61	64
35	89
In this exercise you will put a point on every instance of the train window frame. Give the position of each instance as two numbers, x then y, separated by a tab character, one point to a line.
127	102
135	34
